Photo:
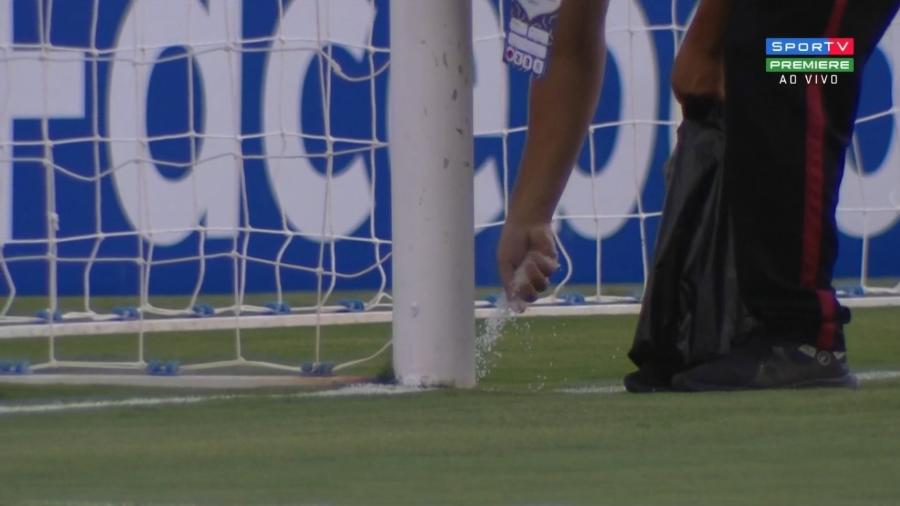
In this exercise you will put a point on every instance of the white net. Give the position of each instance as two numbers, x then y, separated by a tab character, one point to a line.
223	166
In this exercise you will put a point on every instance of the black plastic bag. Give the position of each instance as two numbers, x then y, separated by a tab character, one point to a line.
692	311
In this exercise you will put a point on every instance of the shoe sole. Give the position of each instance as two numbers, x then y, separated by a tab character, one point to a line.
636	386
682	384
644	389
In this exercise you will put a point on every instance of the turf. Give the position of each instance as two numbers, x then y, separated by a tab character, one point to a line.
515	440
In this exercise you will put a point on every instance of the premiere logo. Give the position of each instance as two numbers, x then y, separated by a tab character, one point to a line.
810	60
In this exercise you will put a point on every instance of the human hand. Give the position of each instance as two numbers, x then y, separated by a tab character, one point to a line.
698	74
526	258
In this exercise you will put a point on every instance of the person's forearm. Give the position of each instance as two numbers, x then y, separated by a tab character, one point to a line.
707	30
562	104
699	71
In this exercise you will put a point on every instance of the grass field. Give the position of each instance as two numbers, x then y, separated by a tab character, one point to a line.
520	438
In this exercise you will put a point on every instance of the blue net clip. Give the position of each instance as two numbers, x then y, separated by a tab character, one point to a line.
19	367
492	299
851	291
22	367
203	310
127	312
572	299
353	305
49	316
318	369
278	307
159	368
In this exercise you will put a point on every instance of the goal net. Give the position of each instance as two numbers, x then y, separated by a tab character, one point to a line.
213	168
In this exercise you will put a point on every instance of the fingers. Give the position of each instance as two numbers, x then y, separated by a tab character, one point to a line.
507	272
538	279
543	251
546	265
527	293
526	259
530	278
543	241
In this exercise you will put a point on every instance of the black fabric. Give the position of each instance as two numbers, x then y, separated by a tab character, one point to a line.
692	310
729	259
767	156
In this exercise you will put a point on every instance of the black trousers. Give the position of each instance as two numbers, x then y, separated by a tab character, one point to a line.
784	160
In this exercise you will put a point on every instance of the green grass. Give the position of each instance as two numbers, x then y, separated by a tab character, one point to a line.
515	440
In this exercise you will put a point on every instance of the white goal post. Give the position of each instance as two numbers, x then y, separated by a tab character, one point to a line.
432	203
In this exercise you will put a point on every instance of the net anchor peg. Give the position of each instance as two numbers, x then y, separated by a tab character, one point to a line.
158	368
49	315
317	369
278	307
127	313
572	299
851	291
203	310
493	299
18	367
353	305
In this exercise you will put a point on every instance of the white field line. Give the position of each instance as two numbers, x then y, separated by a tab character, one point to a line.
593	389
54	407
140	402
349	391
131	503
878	375
364	390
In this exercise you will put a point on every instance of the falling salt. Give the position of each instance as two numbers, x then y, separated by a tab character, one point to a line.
504	314
490	333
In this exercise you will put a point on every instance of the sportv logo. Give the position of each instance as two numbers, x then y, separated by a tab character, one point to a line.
810	47
821	55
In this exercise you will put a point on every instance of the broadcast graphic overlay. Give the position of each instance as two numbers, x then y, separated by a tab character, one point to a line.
810	60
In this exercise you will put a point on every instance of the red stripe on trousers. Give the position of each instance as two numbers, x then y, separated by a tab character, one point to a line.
837	15
828	329
814	194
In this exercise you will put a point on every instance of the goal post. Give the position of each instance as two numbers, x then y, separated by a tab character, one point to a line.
432	203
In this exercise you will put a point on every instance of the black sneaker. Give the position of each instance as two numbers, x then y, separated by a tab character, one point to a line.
763	367
647	380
